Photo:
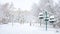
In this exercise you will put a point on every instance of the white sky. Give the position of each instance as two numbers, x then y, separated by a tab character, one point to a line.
23	4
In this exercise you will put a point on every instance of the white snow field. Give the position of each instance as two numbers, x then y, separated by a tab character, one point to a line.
25	29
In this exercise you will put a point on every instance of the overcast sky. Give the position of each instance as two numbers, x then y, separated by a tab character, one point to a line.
23	4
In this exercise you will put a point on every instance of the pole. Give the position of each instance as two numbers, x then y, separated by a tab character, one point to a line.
46	21
40	22
46	25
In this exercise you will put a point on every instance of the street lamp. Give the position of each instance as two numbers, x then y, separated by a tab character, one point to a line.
40	17
52	20
46	18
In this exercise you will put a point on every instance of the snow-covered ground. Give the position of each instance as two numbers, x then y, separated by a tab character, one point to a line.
25	29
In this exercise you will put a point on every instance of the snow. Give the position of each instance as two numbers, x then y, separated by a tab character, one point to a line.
25	29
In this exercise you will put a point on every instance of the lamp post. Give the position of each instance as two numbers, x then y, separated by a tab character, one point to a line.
46	19
51	20
40	17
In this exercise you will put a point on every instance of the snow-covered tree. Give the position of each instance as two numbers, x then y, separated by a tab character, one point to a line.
50	5
5	12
